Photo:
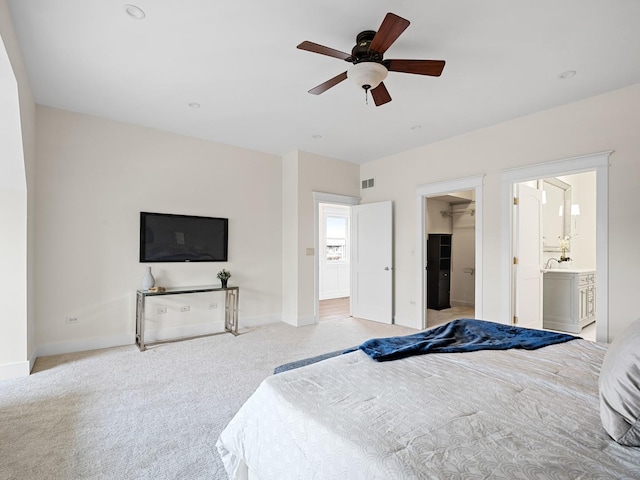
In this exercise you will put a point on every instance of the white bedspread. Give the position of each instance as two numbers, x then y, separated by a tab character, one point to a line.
482	415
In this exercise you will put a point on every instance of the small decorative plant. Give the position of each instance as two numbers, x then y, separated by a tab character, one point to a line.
224	276
565	245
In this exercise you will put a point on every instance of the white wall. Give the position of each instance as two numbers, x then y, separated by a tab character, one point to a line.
290	242
304	174
13	283
13	239
17	192
594	125
94	176
318	174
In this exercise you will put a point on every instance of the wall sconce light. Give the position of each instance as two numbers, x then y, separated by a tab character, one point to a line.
575	209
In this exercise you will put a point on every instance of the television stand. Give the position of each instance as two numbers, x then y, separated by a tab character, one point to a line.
230	311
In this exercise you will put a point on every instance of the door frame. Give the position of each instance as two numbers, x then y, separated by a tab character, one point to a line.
598	162
318	198
441	188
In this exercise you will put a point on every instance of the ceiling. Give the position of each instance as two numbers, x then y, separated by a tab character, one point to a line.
238	60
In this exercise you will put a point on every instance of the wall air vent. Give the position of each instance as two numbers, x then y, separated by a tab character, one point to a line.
369	183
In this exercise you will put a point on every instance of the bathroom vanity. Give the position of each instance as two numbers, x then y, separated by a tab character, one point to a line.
569	299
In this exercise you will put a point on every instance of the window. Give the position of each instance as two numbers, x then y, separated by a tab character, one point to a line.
336	239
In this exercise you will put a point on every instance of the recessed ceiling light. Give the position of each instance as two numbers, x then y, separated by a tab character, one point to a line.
416	127
194	105
316	137
135	12
567	74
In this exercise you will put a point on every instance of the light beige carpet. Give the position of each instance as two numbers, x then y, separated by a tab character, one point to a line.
123	414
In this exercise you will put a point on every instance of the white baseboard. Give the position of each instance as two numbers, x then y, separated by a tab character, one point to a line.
258	321
178	331
207	328
406	322
32	359
305	321
81	345
119	340
290	320
299	321
19	369
14	370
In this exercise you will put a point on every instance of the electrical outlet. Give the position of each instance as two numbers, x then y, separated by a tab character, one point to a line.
161	310
185	308
212	306
72	320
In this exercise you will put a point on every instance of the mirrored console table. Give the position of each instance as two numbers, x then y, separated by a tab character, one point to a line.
230	311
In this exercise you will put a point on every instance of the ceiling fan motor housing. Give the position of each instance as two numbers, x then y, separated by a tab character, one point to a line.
367	71
361	53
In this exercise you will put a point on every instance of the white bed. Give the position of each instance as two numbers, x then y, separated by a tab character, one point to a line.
490	414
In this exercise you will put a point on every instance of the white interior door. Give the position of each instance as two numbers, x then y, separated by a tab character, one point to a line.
371	262
528	250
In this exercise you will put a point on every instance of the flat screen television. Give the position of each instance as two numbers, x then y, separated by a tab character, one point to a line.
182	238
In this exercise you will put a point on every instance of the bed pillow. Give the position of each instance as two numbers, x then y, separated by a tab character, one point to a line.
620	387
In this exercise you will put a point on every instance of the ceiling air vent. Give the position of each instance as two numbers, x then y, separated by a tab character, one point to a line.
370	183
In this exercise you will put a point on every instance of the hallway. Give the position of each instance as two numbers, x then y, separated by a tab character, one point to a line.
334	309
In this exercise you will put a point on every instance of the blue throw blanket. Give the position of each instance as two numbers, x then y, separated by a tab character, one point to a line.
463	335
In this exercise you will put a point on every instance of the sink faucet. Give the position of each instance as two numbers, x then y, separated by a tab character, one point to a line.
548	264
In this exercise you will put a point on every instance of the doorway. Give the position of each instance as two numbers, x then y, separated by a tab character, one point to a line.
371	232
450	288
331	308
558	237
469	256
597	163
334	261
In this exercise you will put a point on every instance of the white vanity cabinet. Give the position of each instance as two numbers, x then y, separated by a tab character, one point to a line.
569	299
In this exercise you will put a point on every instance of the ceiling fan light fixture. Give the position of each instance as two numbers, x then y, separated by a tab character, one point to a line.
367	75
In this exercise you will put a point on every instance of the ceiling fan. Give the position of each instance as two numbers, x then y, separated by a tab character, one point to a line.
369	68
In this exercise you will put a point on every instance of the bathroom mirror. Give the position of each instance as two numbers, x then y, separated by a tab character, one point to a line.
556	213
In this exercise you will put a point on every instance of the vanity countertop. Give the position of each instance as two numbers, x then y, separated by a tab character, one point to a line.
569	270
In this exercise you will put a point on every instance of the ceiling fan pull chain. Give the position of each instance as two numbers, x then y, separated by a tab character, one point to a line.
366	96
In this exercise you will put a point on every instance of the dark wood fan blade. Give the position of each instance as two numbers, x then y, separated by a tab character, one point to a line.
323	87
380	95
420	67
322	50
391	28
